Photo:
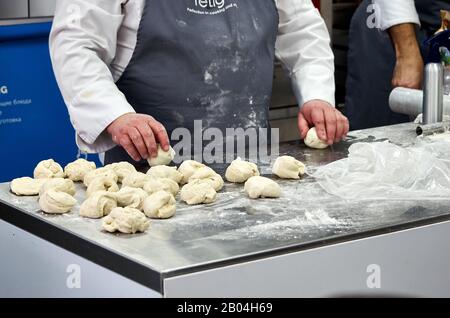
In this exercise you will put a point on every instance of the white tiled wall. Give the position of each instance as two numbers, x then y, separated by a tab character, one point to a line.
26	9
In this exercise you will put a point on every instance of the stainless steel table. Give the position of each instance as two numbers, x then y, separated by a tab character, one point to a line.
308	243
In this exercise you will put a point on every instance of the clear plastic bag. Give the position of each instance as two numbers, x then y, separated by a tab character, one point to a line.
386	171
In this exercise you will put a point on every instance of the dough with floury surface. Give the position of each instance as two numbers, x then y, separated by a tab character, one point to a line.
162	158
206	174
287	167
130	197
76	170
58	184
160	205
56	202
98	205
164	184
240	171
198	192
313	141
101	184
165	172
26	186
262	187
125	220
48	169
121	169
135	180
100	172
188	168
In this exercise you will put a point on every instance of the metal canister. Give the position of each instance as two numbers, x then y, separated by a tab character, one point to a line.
433	96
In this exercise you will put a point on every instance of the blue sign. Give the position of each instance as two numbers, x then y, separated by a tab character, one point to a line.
34	122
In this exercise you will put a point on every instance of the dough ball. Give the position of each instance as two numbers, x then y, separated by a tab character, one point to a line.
162	158
131	197
160	205
121	169
287	167
262	187
240	171
48	169
187	169
26	186
135	180
165	172
100	172
206	174
162	184
58	184
56	202
76	170
198	192
125	220
313	141
102	184
98	205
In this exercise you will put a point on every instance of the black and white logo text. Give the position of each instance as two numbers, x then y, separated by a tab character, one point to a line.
3	90
210	3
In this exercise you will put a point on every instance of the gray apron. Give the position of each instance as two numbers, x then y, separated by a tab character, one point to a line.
211	64
371	63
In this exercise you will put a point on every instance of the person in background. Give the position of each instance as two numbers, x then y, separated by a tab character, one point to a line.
385	52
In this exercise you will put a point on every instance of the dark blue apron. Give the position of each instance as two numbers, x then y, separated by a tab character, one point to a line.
371	63
213	64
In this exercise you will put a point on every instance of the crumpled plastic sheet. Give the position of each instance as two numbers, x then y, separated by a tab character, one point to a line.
385	171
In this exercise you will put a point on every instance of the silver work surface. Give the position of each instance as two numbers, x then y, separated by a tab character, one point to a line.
236	228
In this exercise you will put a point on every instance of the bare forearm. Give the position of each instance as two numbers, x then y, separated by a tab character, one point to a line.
404	39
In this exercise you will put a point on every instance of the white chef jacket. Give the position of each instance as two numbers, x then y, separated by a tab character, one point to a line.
394	12
92	41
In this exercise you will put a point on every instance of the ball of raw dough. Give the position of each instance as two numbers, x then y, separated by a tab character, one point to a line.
161	184
100	172
206	174
262	187
240	171
287	167
48	169
162	158
58	184
125	220
160	205
26	186
130	197
76	170
102	184
187	169
121	169
135	180
98	205
165	172
198	192
313	141
56	202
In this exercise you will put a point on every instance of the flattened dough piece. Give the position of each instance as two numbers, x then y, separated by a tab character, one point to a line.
58	184
76	170
135	180
162	158
165	172
287	167
121	169
131	197
313	141
161	184
98	205
206	174
102	183
240	171
160	205
187	169
100	172
26	186
56	202
262	187
198	192
125	220
48	169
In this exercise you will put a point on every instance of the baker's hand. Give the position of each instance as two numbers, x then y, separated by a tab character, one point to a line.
331	125
408	72
138	134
